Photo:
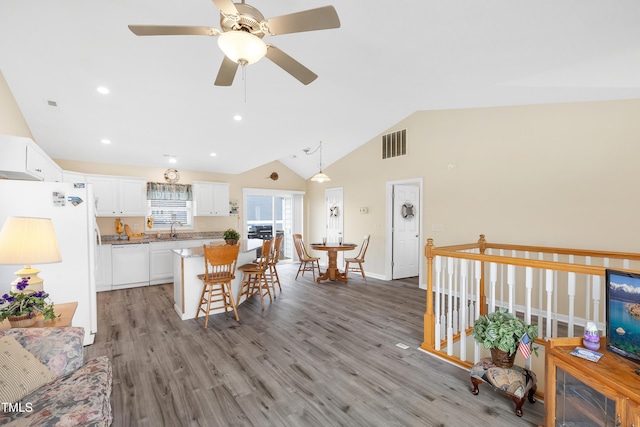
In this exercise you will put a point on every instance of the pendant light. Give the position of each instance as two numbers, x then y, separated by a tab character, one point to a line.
320	176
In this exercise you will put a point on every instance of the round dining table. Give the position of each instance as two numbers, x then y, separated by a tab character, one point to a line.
332	249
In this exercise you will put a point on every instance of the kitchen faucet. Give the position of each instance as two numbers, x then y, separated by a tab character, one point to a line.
171	234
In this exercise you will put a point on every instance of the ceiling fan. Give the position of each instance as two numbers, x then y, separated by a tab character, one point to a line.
243	28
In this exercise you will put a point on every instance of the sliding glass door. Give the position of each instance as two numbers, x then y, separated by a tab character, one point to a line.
271	213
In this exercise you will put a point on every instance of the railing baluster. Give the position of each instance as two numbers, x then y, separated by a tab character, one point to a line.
478	276
455	297
511	281
449	305
529	285
493	273
554	321
541	317
501	279
549	289
596	299
463	312
587	304
436	309
571	291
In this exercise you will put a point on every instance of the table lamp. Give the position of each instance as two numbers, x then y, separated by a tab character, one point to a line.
28	241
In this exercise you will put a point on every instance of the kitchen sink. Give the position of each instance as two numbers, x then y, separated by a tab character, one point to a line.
165	237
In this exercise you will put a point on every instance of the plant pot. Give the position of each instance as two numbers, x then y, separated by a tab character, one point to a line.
502	359
21	321
231	242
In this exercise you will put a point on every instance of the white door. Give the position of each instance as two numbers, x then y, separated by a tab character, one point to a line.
406	231
335	217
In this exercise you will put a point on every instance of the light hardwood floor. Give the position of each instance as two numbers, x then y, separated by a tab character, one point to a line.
319	355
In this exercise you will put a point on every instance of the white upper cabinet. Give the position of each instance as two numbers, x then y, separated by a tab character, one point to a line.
73	177
21	158
119	196
211	198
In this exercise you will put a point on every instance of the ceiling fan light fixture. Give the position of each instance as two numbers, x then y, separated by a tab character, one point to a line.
242	47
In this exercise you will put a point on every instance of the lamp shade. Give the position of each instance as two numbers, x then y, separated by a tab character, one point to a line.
320	177
28	241
242	47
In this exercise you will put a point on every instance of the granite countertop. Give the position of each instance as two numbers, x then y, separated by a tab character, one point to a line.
246	245
114	239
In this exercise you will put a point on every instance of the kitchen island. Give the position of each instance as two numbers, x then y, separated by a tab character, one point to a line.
188	263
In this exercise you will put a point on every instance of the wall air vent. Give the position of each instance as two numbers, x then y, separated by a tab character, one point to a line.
52	103
394	144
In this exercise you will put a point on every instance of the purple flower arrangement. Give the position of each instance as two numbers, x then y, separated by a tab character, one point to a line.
26	303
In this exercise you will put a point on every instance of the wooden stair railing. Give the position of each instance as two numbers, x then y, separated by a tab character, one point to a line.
456	284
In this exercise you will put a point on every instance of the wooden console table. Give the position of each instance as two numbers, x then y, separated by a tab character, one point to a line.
66	312
581	392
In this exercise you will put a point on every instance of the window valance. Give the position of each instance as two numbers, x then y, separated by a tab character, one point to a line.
164	191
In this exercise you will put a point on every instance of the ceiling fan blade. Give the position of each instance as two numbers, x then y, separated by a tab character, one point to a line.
322	18
172	30
227	72
290	65
226	6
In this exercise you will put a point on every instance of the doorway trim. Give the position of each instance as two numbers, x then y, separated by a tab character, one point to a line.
388	270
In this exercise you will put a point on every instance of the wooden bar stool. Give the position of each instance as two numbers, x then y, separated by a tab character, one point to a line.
272	273
254	277
219	270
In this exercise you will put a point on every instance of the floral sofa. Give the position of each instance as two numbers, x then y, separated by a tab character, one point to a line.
78	395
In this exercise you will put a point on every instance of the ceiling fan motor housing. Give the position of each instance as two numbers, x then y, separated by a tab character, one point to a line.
248	19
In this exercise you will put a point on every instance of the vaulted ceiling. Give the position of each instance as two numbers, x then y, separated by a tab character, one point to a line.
386	61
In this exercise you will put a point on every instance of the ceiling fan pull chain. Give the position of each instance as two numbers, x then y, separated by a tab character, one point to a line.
244	78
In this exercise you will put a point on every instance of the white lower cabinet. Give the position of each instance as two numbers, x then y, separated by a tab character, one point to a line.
104	279
161	262
113	274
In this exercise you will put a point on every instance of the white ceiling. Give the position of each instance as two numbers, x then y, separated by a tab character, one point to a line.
388	60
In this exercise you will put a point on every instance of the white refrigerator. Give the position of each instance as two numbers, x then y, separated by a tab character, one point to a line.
71	207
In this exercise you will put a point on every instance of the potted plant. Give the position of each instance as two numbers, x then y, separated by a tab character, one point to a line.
231	236
22	307
501	332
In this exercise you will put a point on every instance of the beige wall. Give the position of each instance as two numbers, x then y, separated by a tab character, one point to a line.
11	120
553	175
255	178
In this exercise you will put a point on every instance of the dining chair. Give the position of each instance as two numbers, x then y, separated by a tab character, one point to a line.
307	262
254	277
219	270
358	260
272	274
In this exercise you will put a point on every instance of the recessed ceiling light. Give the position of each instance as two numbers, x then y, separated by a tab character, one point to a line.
237	117
212	154
172	160
105	141
103	90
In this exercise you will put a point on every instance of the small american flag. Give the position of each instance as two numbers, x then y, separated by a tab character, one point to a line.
525	346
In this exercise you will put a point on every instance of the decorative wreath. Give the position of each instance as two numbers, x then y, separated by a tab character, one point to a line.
333	211
407	210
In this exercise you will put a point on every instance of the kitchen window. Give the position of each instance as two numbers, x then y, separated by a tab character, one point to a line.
168	203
